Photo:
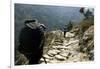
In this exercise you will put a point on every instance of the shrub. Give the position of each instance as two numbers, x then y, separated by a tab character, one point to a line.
85	24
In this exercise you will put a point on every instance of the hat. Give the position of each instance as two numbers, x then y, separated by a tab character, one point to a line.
33	24
30	21
81	10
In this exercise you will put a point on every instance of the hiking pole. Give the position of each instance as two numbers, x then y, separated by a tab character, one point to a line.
44	59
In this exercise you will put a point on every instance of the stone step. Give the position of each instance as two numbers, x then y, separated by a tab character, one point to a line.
64	54
47	56
59	57
59	47
53	52
72	42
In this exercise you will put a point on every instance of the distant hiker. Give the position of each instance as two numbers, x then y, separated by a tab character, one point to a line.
67	28
87	12
31	40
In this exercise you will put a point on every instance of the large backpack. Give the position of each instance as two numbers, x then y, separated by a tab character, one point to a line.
31	42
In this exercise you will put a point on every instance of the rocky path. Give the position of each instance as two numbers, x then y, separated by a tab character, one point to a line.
64	52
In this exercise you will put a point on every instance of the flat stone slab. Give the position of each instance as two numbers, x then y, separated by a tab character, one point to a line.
59	47
47	56
64	54
70	35
53	52
59	57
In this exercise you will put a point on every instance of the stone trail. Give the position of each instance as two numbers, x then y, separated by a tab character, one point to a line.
64	52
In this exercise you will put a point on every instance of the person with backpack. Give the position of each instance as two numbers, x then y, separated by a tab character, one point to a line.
31	41
67	28
87	12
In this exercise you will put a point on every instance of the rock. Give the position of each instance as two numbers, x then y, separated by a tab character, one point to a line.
57	34
47	56
58	43
74	30
64	54
51	37
78	57
60	47
59	57
53	61
72	39
74	47
87	44
73	58
89	33
65	42
91	55
51	55
21	59
53	52
42	60
57	46
83	57
72	42
69	35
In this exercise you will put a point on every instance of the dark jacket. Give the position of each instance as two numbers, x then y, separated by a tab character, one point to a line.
30	40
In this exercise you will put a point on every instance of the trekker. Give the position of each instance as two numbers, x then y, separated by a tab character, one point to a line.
31	40
87	12
67	28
